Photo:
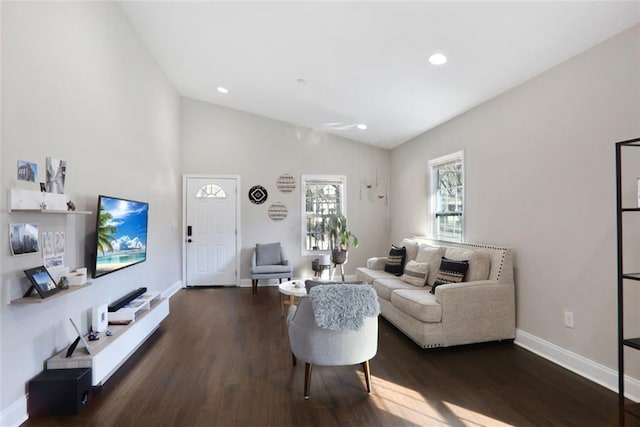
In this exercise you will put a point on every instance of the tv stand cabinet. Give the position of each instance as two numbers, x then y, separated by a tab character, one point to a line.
110	352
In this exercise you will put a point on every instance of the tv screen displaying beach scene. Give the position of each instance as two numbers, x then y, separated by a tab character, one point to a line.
121	234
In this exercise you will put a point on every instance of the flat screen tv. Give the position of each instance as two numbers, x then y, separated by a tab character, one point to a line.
121	234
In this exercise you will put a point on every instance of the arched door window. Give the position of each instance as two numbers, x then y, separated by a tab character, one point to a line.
211	191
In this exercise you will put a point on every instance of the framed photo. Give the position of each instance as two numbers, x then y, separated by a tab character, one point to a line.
27	171
23	238
41	281
56	174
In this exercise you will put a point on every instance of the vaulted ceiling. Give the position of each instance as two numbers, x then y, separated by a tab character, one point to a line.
332	65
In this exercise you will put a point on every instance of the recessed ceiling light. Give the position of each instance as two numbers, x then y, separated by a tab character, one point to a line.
222	89
361	126
437	59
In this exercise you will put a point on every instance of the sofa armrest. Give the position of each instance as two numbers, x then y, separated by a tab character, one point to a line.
477	311
377	263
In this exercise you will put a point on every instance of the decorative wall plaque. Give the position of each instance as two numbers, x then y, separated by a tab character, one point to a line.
286	183
258	194
278	211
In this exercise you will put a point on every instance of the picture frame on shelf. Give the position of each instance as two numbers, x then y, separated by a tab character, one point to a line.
41	282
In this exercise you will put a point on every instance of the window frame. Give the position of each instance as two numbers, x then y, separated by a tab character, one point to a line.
342	180
434	164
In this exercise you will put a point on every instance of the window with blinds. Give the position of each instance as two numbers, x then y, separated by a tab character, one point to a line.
324	195
447	197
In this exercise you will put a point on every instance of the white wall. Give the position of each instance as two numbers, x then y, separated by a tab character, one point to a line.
540	179
77	84
218	140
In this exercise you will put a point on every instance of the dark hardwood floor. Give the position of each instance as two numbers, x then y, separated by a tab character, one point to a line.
222	358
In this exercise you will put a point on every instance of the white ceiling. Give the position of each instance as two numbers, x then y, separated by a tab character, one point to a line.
366	62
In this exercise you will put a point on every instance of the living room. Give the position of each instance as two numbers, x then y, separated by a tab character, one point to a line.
79	84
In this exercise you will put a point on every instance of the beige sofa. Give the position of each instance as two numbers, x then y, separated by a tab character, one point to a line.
480	308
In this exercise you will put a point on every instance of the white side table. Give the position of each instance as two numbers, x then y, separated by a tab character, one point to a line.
292	288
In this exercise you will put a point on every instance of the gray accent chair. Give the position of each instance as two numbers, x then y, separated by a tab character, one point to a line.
269	261
324	347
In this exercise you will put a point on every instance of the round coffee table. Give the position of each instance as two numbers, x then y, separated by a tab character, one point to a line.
293	288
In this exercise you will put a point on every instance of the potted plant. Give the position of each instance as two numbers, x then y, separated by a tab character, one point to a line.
340	238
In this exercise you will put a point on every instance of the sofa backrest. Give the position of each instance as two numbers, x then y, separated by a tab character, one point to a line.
501	258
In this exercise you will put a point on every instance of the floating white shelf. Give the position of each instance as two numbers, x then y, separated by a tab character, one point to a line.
33	201
50	211
34	298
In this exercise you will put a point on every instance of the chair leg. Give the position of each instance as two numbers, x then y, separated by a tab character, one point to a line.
254	285
367	375
307	379
342	271
294	359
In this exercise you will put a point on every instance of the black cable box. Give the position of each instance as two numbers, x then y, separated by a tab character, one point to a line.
118	304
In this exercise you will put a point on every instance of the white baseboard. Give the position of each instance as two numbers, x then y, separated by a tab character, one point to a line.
15	414
172	289
580	365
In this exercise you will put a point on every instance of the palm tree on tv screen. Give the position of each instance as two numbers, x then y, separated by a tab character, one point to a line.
105	231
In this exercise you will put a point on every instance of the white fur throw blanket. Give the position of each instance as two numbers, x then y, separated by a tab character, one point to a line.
343	306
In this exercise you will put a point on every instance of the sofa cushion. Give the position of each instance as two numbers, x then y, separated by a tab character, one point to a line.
368	275
418	303
412	249
385	286
451	271
479	263
395	261
432	256
415	273
271	269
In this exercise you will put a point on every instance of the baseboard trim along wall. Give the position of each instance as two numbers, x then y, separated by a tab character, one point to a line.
168	293
580	365
15	414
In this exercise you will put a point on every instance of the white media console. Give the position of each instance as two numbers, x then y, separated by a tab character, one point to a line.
110	352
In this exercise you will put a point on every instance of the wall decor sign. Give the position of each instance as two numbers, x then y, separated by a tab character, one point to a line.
278	211
286	183
258	194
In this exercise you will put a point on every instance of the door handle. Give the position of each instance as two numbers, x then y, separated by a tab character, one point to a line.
189	231
189	240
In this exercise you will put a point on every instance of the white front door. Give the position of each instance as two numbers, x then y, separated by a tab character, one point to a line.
211	230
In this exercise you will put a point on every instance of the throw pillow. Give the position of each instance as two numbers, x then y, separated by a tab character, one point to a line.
451	271
479	263
395	260
431	255
415	273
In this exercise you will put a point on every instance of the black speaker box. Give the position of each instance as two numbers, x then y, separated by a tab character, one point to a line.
59	392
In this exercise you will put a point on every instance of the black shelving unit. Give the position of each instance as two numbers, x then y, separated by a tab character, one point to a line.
623	342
